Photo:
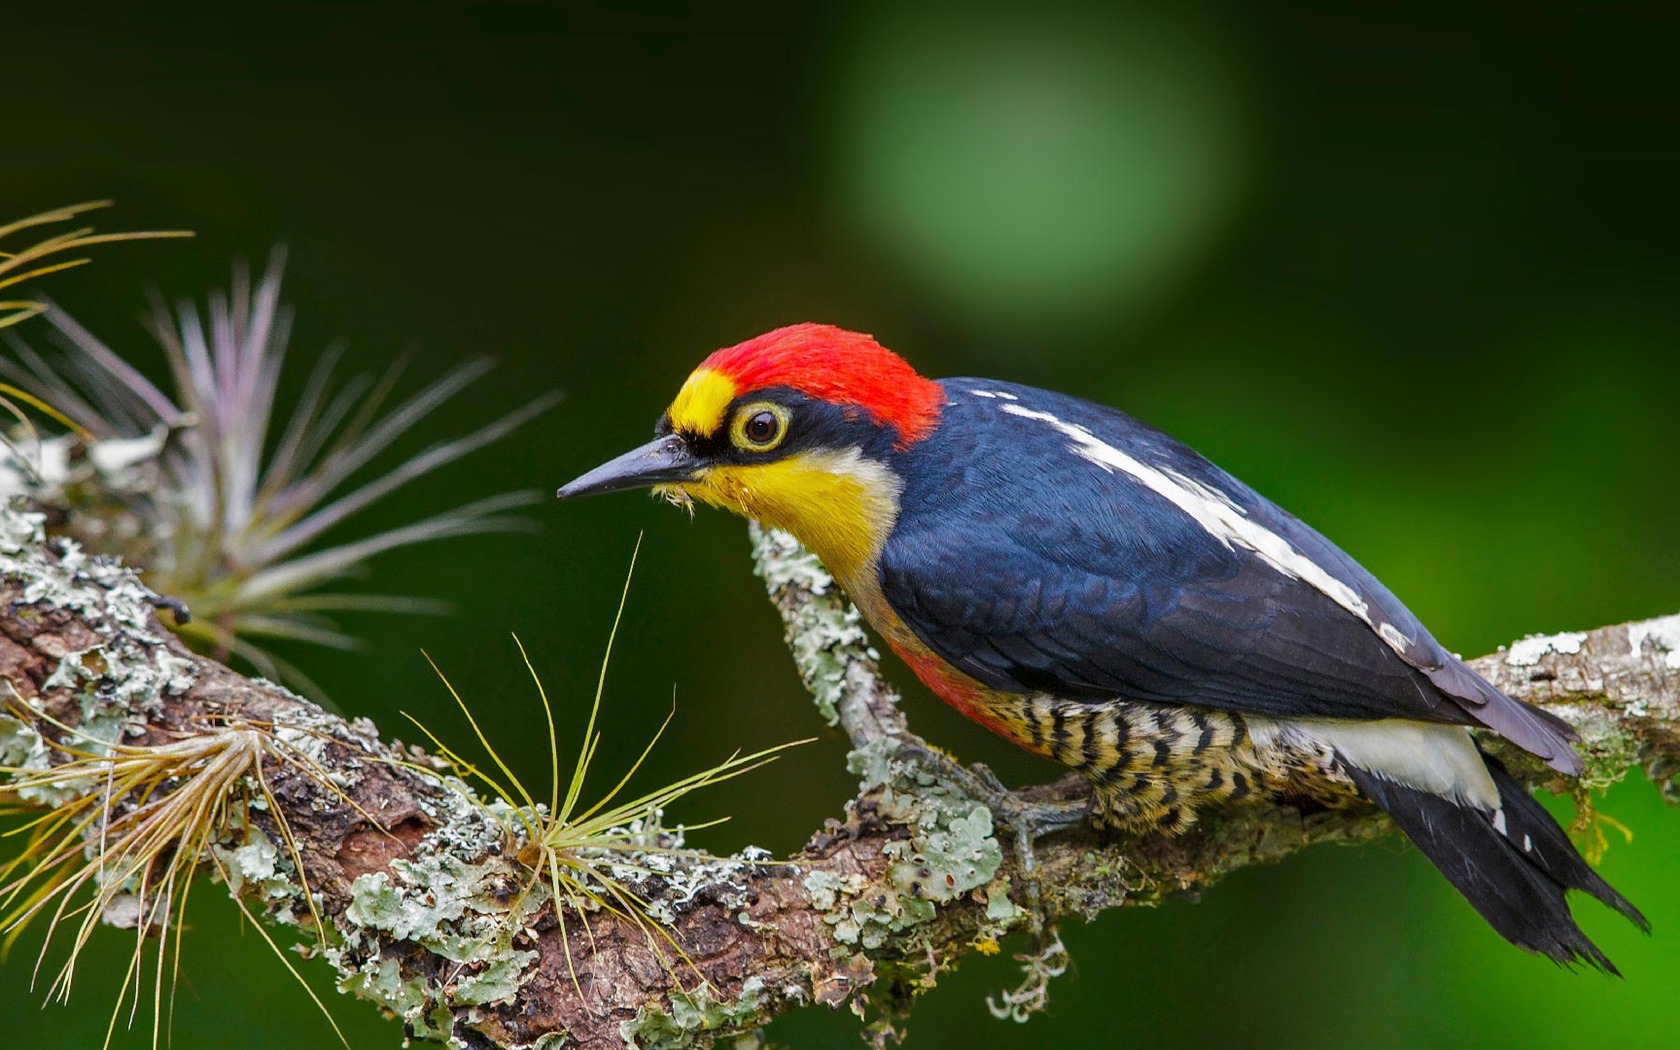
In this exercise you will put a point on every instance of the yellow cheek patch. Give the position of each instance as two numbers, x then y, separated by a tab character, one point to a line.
701	402
839	505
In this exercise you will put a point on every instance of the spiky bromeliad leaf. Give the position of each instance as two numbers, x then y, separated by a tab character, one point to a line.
588	855
115	832
44	256
190	486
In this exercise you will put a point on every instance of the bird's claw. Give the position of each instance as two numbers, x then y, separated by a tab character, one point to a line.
977	782
1009	809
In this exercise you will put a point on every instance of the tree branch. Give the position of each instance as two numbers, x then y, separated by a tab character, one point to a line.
425	904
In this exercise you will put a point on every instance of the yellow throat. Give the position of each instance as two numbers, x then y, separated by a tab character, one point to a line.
840	505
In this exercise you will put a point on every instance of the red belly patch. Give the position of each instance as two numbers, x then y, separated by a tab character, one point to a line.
971	699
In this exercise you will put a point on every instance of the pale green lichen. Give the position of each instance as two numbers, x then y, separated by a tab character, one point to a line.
129	672
951	851
470	911
667	880
1000	910
453	895
1609	750
1528	651
1661	635
951	836
382	980
872	763
693	1014
116	682
23	747
452	908
825	888
18	740
825	636
255	865
498	981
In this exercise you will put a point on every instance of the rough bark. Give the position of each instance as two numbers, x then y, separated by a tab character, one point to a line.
419	883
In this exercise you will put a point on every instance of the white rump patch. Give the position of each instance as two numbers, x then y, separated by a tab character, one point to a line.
1221	518
1426	756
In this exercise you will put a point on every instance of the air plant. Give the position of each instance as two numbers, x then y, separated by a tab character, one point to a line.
586	852
129	824
190	487
30	262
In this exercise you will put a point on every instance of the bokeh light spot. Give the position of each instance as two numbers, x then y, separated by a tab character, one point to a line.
1063	167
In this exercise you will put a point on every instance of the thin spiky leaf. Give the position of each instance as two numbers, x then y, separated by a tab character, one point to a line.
581	856
313	569
437	456
214	519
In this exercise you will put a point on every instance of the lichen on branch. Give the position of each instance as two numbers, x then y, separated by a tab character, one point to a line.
412	889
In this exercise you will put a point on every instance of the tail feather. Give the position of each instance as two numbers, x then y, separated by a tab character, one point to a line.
1549	846
1513	865
1534	729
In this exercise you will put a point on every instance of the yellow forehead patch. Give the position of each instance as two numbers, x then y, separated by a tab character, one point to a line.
700	403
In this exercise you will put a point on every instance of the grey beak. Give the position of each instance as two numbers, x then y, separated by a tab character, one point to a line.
657	462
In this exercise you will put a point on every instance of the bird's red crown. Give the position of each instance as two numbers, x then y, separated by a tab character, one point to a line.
838	366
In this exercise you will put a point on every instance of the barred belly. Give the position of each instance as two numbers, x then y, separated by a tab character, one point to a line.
1154	766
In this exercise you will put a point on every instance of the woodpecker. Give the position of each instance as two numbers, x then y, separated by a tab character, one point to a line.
1102	595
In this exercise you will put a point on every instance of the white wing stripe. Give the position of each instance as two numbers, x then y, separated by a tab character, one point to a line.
1220	517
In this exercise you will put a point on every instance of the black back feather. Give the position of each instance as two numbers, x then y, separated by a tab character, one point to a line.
1029	567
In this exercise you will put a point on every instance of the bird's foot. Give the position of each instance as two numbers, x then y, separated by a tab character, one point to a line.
1025	819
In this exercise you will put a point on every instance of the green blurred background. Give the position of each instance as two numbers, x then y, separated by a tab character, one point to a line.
1407	268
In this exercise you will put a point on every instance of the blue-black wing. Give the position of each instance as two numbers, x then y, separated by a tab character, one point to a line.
1064	547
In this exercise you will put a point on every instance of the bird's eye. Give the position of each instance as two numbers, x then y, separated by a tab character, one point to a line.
760	427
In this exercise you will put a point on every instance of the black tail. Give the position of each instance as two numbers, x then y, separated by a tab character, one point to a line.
1516	877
